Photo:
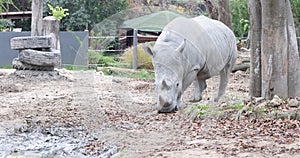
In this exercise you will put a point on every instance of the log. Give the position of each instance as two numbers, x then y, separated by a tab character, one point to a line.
30	42
50	57
241	67
243	62
19	65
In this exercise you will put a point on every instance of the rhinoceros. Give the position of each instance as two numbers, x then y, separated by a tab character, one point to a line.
187	50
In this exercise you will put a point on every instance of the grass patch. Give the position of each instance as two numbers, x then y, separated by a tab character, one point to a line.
75	68
144	74
203	110
238	106
140	74
210	111
7	67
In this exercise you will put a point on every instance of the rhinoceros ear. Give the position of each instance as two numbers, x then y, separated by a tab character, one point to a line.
181	46
148	50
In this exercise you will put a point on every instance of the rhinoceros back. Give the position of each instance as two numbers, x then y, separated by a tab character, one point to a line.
212	41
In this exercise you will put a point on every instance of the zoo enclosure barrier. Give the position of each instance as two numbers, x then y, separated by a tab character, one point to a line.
75	46
104	44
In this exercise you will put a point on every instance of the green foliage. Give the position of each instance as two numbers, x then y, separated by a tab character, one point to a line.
140	74
143	74
75	68
58	12
101	59
6	67
245	24
85	12
5	4
203	109
6	25
240	17
295	5
238	106
4	7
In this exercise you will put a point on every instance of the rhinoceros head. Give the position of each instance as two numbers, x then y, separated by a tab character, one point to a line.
168	89
168	76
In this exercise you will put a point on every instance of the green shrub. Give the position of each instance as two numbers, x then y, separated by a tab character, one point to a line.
240	17
6	25
144	61
58	12
101	59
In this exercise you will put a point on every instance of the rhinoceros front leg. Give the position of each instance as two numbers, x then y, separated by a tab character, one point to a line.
199	85
224	77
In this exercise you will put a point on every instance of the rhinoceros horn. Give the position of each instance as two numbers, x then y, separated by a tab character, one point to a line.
164	84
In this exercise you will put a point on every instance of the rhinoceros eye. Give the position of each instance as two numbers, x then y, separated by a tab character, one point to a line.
177	84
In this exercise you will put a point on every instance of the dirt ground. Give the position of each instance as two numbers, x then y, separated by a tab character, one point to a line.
86	114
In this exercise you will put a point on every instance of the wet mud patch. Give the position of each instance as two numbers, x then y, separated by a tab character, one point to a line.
33	139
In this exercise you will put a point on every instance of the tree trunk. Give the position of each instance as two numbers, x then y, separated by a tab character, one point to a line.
274	49
219	10
36	18
211	9
224	12
255	47
280	63
293	56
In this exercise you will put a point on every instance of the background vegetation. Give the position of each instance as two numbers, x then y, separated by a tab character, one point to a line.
100	18
87	13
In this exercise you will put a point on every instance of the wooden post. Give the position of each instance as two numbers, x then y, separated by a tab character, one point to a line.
36	18
134	59
51	28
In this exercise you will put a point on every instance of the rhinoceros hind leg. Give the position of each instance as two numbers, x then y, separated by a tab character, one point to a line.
200	85
224	77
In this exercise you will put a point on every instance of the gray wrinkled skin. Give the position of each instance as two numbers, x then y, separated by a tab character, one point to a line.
191	50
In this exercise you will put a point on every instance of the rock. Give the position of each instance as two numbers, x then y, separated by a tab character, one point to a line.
258	99
293	103
261	105
18	87
290	114
276	101
109	152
